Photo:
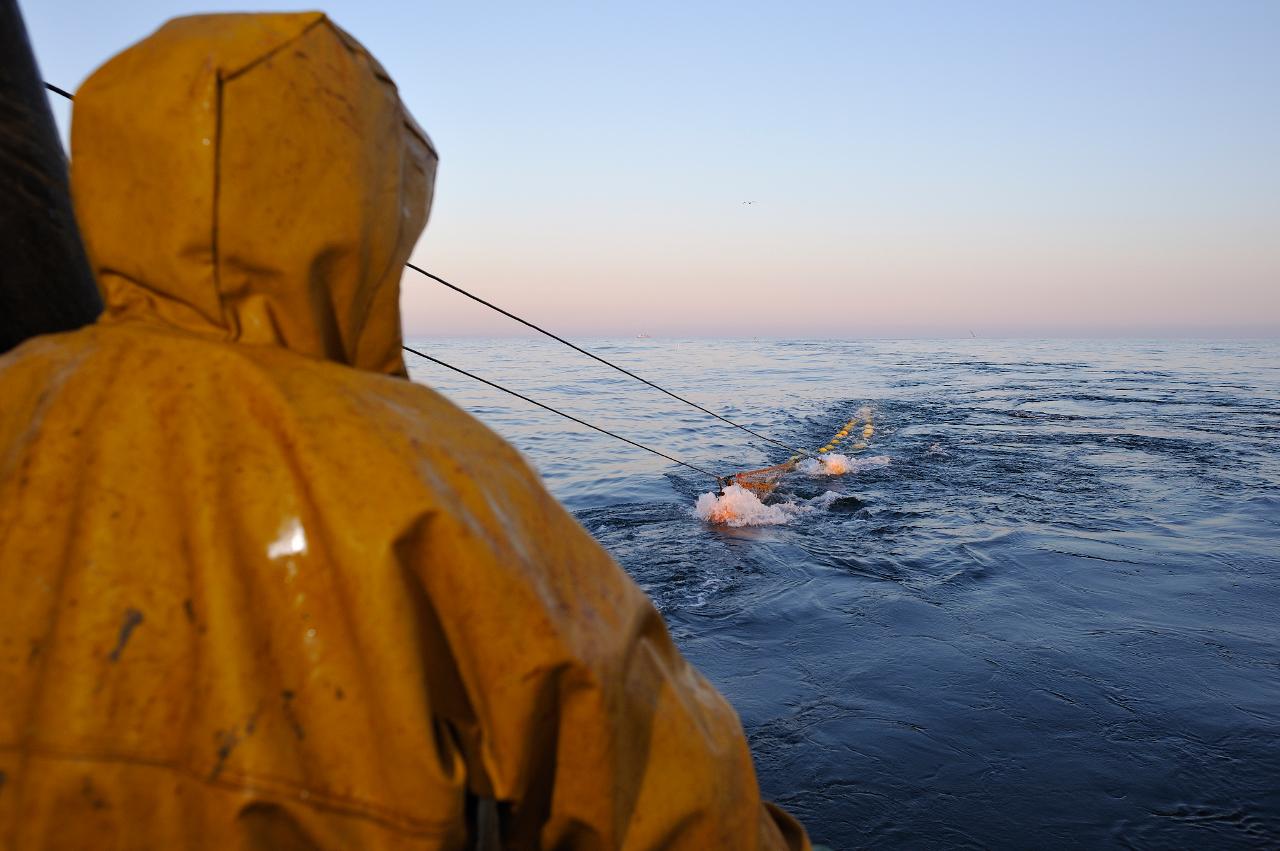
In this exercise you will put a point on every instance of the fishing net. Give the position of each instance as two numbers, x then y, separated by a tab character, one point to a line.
762	482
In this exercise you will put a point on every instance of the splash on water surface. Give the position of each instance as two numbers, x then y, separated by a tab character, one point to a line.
737	506
835	464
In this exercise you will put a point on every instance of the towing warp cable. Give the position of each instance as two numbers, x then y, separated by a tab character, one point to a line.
561	413
608	363
51	87
64	93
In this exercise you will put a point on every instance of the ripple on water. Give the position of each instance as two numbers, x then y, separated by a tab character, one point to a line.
1050	621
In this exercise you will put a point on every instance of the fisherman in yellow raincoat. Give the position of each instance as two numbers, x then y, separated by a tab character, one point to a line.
256	589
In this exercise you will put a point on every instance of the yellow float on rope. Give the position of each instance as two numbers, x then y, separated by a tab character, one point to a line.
762	482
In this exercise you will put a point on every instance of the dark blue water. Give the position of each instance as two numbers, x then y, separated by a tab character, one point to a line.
1053	620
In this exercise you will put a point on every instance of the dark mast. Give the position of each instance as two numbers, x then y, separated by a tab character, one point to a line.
45	281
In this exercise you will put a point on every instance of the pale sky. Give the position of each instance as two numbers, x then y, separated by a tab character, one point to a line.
915	169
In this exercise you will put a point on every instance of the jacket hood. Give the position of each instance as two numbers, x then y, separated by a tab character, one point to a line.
253	178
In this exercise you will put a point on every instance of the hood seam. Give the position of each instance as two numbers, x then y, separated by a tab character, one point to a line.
258	60
228	321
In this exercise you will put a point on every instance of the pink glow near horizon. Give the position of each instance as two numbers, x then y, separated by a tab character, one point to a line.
914	169
890	279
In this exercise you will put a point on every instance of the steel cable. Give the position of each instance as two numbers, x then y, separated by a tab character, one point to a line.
561	413
458	289
608	363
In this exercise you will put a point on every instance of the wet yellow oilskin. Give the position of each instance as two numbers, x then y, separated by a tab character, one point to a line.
256	589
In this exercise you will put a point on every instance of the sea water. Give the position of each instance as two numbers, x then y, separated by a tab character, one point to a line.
1049	618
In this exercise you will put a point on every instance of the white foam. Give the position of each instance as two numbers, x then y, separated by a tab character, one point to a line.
821	501
835	464
740	507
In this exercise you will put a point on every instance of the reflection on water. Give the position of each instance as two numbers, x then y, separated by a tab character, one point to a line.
1052	620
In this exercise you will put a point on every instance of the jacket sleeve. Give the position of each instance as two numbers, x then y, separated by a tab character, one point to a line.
567	698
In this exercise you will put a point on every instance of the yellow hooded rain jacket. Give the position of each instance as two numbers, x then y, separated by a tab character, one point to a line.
257	590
